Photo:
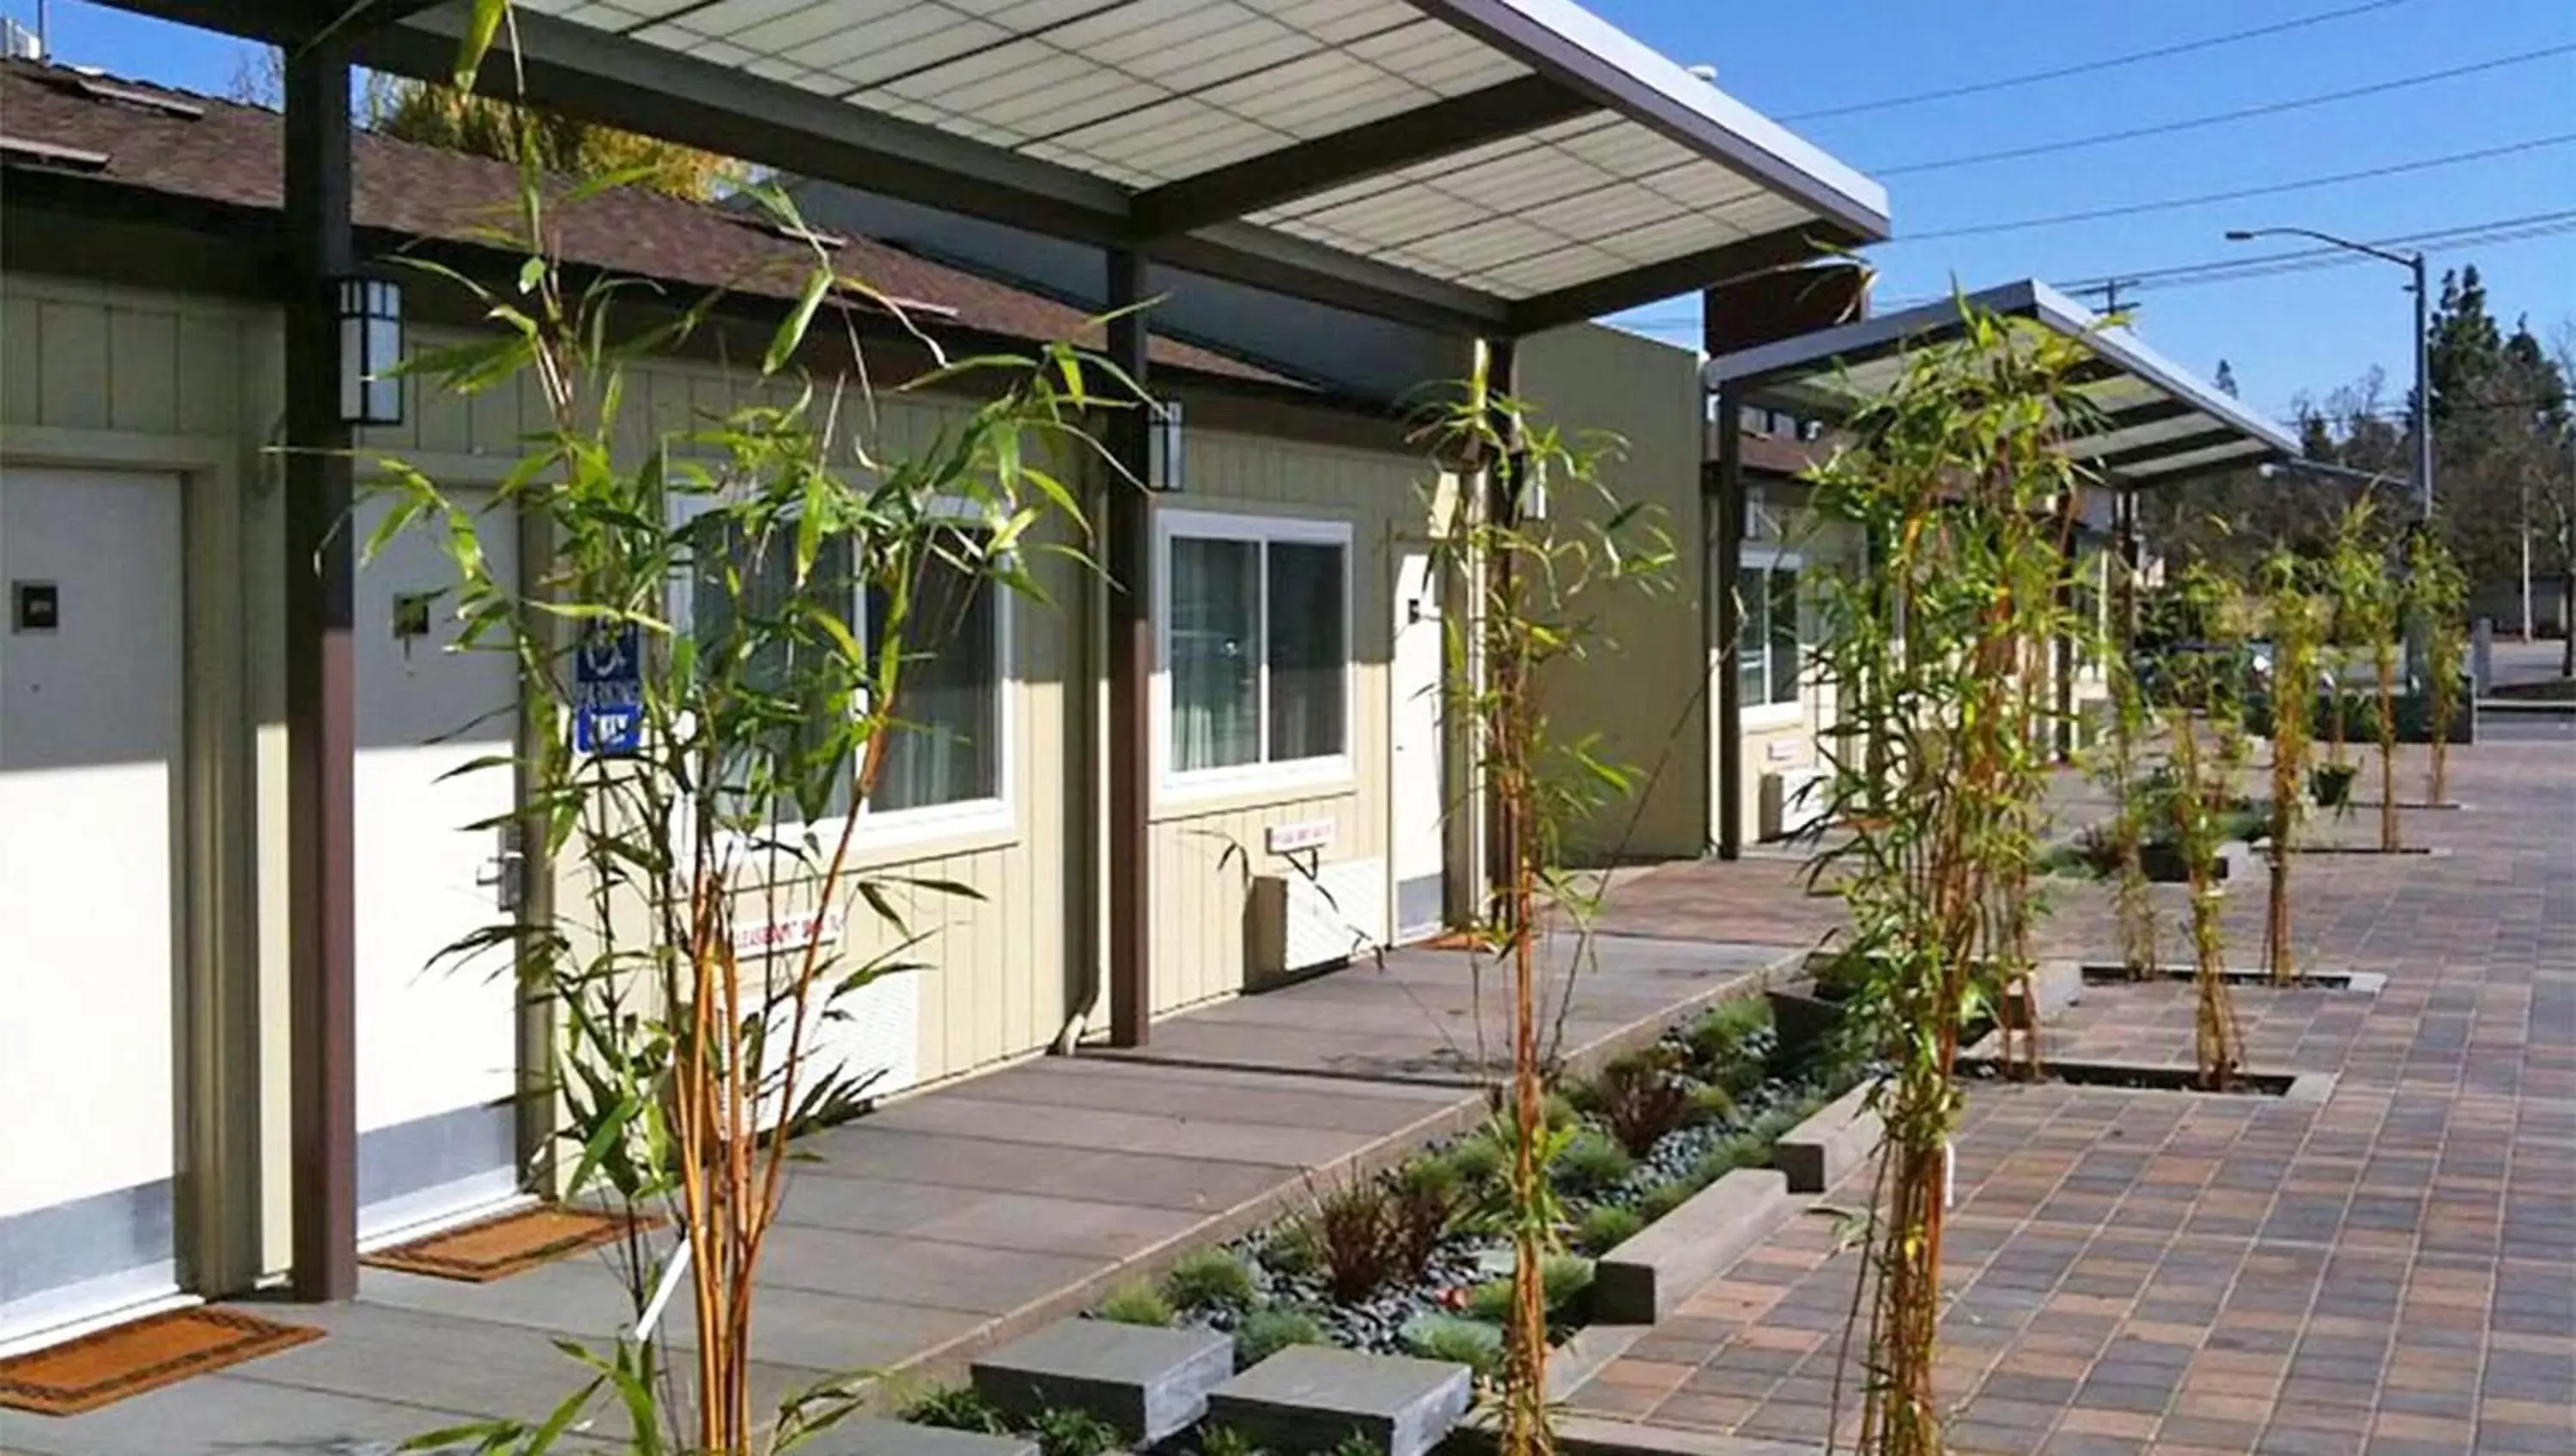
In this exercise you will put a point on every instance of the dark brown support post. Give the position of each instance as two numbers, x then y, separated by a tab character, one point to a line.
1131	674
1729	621
320	732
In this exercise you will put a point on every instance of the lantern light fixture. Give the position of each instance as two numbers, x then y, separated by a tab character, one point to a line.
1163	447
371	348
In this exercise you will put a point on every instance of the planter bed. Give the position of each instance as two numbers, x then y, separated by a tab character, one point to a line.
2435	850
1725	1078
2364	983
2153	1077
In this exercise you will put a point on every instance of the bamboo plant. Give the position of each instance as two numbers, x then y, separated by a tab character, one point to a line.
2372	604
2291	610
2355	571
1534	580
2204	736
725	559
2118	765
2438	592
1935	769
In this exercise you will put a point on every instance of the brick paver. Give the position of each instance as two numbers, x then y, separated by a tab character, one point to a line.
2389	1273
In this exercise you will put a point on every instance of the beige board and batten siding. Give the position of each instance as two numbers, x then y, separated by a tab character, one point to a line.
1786	738
1638	690
1205	850
115	377
991	963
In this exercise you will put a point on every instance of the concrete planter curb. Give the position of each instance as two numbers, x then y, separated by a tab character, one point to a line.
1646	1277
1591	1435
1818	1152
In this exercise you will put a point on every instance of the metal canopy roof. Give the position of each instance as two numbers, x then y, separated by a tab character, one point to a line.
1500	166
2160	423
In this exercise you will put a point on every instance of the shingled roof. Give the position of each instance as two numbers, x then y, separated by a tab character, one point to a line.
157	139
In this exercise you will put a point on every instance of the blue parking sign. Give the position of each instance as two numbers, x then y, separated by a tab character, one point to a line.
608	692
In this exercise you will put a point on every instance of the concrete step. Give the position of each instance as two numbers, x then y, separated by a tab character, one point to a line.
868	1436
1149	1383
1311	1397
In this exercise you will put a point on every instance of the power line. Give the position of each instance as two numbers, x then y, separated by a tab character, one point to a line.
2172	204
2273	108
2087	67
2497	232
2494	240
2398	412
2436	240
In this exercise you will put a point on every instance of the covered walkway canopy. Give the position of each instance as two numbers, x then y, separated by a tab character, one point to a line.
1483	168
2159	423
1492	167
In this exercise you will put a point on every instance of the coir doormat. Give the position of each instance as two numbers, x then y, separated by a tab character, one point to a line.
100	1369
497	1248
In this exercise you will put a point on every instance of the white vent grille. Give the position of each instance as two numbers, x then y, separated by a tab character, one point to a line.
870	1039
1303	922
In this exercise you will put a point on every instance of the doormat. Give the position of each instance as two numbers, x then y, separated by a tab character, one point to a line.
497	1248
106	1367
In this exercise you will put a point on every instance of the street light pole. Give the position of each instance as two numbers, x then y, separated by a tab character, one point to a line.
2419	414
2423	404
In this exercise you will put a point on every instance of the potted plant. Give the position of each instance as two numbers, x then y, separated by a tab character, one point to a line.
2330	785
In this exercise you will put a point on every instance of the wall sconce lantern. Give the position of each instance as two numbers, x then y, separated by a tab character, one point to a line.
1163	447
371	346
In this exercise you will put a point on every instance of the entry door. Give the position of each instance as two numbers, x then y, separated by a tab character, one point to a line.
438	1039
90	813
1416	858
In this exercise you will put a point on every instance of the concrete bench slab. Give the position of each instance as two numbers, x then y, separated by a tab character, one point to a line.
1309	1397
1149	1383
1646	1277
869	1436
1818	1152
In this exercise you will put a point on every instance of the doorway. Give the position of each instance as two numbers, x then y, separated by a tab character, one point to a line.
1417	861
437	1033
92	814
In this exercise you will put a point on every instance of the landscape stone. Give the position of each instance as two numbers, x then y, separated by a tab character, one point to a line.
1646	1277
1147	1382
1818	1152
868	1436
1311	1397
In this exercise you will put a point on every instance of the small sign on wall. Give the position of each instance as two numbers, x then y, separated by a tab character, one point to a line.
778	937
608	692
35	606
1296	838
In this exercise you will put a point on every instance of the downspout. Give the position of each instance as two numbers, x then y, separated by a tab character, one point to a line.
1086	945
1729	523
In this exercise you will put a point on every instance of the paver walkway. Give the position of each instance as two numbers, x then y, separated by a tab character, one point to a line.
945	1221
2390	1273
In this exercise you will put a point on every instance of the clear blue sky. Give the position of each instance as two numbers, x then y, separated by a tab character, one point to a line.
2286	334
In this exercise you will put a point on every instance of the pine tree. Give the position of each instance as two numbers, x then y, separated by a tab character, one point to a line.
2226	379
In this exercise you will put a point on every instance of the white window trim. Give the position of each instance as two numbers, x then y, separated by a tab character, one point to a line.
1325	772
1767	714
994	815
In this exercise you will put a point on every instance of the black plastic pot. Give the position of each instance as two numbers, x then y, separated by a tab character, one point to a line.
2162	861
2330	785
1805	1024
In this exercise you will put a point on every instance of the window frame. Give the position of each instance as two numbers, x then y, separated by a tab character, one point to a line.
992	816
1756	563
1321	772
